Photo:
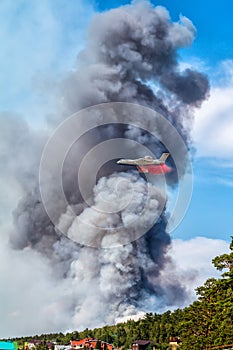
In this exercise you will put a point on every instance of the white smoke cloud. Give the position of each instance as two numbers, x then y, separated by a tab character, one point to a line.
113	277
29	286
125	202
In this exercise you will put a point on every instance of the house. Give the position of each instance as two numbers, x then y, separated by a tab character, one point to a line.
32	344
8	345
90	343
77	344
175	342
140	344
62	347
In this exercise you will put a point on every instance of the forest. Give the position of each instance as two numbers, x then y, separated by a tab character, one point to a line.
206	323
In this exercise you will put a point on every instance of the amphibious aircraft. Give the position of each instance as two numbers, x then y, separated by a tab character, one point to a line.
148	164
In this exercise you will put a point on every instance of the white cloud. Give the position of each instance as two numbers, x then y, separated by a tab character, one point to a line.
213	125
193	260
226	182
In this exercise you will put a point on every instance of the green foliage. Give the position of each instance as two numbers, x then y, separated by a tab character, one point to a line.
98	345
225	261
208	321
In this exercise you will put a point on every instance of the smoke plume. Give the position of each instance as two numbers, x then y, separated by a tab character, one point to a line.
130	56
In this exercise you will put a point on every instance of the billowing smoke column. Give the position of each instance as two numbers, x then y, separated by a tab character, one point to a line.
130	56
128	49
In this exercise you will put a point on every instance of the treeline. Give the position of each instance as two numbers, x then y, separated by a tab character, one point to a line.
205	323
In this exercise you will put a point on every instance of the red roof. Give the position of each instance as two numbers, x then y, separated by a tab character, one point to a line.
80	342
89	342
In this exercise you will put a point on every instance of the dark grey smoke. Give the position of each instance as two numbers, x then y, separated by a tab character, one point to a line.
128	51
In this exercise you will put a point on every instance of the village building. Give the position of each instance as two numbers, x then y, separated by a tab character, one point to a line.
175	342
8	345
32	344
62	347
90	343
140	344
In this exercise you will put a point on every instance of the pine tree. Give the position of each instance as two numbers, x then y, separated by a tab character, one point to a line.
209	320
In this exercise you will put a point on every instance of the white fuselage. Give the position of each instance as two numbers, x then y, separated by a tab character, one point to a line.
140	161
147	160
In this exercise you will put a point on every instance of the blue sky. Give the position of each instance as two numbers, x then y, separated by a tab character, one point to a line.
40	41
